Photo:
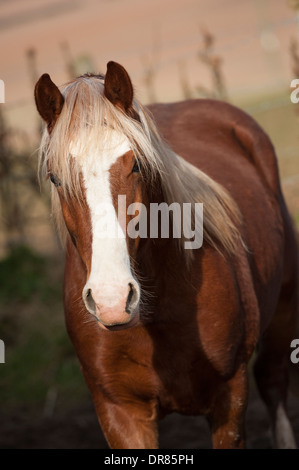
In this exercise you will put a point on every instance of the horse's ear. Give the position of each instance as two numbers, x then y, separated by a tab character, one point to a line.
118	86
49	101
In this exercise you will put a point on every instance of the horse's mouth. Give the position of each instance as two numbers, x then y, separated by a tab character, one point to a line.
120	326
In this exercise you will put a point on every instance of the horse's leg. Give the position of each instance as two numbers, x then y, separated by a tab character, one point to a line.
127	425
227	419
271	369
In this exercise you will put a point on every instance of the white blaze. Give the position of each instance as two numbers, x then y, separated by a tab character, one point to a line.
110	263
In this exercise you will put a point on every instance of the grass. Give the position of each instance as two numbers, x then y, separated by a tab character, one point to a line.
38	353
22	273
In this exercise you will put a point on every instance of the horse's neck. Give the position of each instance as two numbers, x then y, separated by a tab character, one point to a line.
158	258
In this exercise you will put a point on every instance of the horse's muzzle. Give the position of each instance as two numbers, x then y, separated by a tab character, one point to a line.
113	305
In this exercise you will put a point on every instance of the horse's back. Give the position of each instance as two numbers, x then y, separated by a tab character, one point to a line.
193	125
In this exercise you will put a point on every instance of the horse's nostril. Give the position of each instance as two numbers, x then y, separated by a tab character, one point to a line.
131	298
89	301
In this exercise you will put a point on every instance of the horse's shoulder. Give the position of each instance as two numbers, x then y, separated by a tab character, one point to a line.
227	306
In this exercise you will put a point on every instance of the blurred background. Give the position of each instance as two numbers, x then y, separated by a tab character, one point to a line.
242	51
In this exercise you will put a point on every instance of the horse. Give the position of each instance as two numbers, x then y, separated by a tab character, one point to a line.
158	326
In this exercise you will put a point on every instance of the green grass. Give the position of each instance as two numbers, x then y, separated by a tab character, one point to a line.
22	273
38	353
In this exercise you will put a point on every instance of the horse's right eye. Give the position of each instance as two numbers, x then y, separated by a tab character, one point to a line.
136	167
55	180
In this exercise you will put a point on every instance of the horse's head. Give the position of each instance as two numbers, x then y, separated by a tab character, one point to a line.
88	176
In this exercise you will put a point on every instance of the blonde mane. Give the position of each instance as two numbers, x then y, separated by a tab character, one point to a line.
88	113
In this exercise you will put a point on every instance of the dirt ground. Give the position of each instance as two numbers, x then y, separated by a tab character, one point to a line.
78	429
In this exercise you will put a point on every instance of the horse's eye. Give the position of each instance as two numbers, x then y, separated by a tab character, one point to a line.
55	180
137	167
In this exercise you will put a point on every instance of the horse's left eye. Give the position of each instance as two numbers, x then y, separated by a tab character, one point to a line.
136	168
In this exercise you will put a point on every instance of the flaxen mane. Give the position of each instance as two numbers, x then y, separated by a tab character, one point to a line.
88	117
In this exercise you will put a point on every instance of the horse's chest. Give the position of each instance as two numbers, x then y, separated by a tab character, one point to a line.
185	385
174	373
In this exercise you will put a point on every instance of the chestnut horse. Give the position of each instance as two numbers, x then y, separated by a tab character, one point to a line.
159	327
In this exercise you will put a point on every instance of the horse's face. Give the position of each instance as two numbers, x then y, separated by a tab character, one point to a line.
96	224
